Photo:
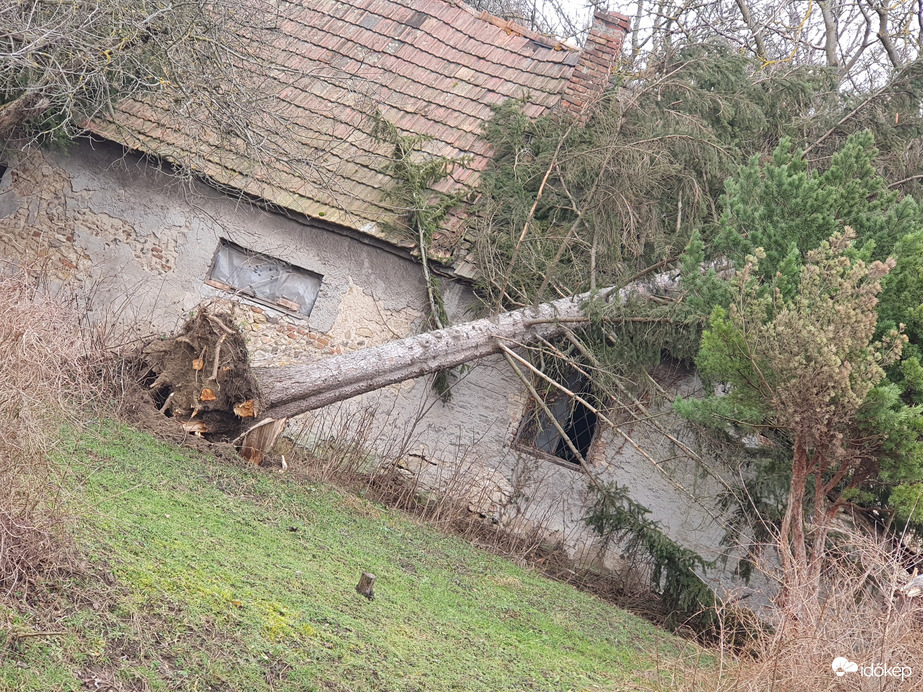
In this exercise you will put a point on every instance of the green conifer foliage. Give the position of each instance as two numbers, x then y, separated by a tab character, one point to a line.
902	304
700	162
809	368
674	569
626	190
420	211
787	209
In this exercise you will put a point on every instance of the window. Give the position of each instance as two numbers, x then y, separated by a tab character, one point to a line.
263	278
579	423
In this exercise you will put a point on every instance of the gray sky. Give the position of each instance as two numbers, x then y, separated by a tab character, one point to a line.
579	11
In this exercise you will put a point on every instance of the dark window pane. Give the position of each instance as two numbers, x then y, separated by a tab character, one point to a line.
577	421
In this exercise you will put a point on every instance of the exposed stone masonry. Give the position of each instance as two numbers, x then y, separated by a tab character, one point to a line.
42	218
54	225
35	226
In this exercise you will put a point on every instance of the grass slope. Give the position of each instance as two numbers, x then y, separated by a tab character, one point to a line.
228	578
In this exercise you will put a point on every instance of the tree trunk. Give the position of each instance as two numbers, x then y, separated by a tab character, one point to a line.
755	32
793	551
366	585
294	389
830	34
201	376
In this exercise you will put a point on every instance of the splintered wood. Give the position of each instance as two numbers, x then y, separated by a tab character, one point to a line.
261	438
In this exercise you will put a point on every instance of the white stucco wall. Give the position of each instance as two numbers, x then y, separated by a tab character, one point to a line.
140	242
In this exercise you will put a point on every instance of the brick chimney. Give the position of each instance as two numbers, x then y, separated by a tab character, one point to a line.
603	48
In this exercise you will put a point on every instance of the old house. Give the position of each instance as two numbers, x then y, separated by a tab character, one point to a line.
302	242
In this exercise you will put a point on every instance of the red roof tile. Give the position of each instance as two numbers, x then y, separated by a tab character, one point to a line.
432	67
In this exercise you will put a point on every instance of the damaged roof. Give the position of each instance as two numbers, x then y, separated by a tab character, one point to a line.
431	67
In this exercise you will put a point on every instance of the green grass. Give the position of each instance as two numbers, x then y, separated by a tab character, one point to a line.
206	575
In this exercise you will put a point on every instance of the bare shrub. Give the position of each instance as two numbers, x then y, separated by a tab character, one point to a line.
345	443
45	359
861	617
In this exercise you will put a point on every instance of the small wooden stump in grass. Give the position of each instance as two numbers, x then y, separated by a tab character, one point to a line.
366	585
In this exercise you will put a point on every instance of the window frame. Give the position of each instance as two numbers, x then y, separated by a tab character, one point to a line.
248	295
526	432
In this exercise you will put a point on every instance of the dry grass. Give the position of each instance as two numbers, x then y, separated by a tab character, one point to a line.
862	618
49	372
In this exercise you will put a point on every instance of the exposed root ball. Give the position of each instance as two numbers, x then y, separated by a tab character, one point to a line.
202	376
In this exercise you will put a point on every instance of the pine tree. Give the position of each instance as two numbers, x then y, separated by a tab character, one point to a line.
806	352
807	367
787	209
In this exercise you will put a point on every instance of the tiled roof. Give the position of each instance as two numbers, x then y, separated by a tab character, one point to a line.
432	67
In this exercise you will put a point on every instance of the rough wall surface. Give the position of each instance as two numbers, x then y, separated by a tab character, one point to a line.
140	243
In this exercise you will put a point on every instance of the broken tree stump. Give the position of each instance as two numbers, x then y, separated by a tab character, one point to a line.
261	438
366	585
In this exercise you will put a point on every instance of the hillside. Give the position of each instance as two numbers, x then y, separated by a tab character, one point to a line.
205	574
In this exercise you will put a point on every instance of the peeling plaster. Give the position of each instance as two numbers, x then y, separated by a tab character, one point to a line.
107	222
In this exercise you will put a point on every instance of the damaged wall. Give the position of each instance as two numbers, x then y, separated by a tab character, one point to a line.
140	243
121	228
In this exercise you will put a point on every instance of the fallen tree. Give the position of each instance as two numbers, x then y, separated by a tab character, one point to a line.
202	376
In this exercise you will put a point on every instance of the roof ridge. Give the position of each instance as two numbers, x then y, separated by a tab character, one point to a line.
512	27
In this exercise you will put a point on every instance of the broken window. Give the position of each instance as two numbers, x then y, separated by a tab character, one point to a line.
264	279
576	420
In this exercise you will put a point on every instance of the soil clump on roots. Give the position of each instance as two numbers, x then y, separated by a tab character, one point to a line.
201	377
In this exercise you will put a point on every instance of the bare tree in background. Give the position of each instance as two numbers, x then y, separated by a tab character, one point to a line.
62	64
565	19
521	11
864	40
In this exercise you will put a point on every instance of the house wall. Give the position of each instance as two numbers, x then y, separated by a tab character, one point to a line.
138	243
141	240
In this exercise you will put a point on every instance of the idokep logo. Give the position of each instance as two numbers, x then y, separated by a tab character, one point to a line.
842	665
